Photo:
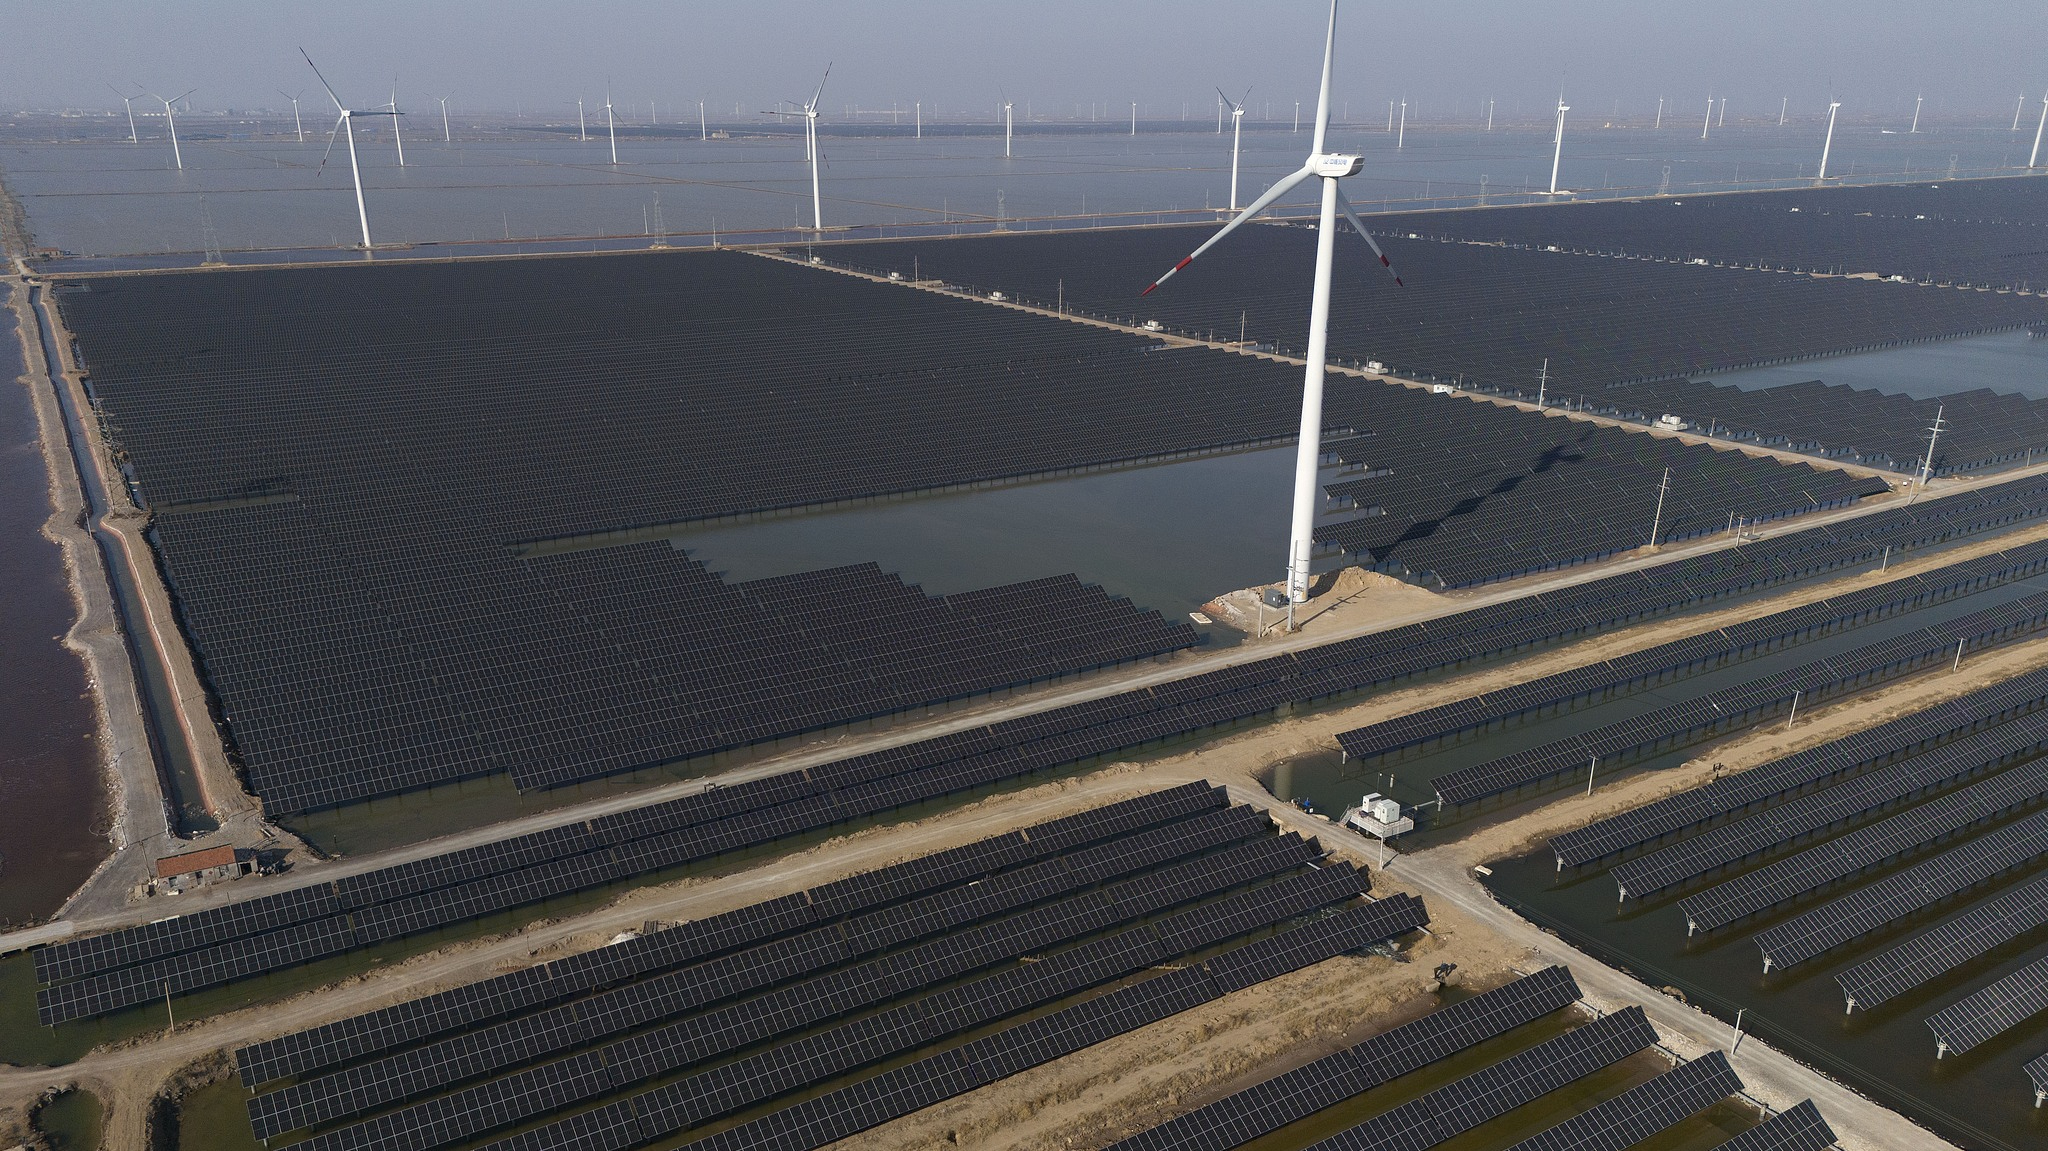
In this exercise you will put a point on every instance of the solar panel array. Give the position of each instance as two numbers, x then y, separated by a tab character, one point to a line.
1981	428
456	1067
1987	1013
333	1044
1787	775
1678	658
834	1115
1482	313
760	811
1268	1106
1741	705
1800	1128
1643	1110
1872	845
1986	232
365	1086
1903	893
1872	791
1971	935
1494	1091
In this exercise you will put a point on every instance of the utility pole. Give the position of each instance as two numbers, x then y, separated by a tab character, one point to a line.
1933	434
1543	381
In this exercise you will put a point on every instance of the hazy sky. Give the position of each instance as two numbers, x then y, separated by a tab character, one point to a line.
1971	57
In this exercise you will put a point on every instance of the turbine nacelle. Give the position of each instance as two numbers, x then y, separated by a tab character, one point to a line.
1335	166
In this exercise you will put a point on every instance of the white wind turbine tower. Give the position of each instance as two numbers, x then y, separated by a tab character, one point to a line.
2017	109
2034	157
447	137
296	123
1009	122
1916	115
1830	141
1236	134
1329	168
347	124
581	134
610	125
1709	121
395	137
171	121
811	137
130	105
1557	156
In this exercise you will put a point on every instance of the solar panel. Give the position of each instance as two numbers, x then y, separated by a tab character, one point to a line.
1268	1106
1992	1010
2037	1070
1873	746
1493	1091
75	958
1900	894
1900	968
1643	1110
1799	1129
1785	823
1851	854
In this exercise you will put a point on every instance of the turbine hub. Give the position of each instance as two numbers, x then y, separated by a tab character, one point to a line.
1331	165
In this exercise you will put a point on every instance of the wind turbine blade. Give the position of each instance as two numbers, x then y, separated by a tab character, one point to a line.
336	131
1227	100
1323	96
1286	185
813	105
182	95
1344	205
338	106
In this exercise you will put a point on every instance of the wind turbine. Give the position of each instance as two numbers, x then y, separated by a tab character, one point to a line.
580	133
347	124
1709	121
1401	140
1557	156
2016	108
296	123
1830	142
172	122
811	137
395	137
1236	134
130	105
2035	156
446	136
1916	115
611	125
1329	168
1009	124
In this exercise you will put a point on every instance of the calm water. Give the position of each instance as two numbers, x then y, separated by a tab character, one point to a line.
50	784
107	197
2014	363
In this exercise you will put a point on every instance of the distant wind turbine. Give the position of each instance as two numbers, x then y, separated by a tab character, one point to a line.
1009	122
346	124
447	137
1401	140
2016	109
1916	115
611	124
130	105
1660	114
1236	134
581	134
809	111
1329	168
301	127
171	122
1557	156
1829	143
1709	122
395	137
2034	157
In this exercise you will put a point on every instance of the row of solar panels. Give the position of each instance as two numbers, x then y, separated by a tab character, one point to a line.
762	810
1681	657
1739	706
707	1093
1998	730
1869	846
1789	775
1440	1115
1116	872
419	1020
1818	812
